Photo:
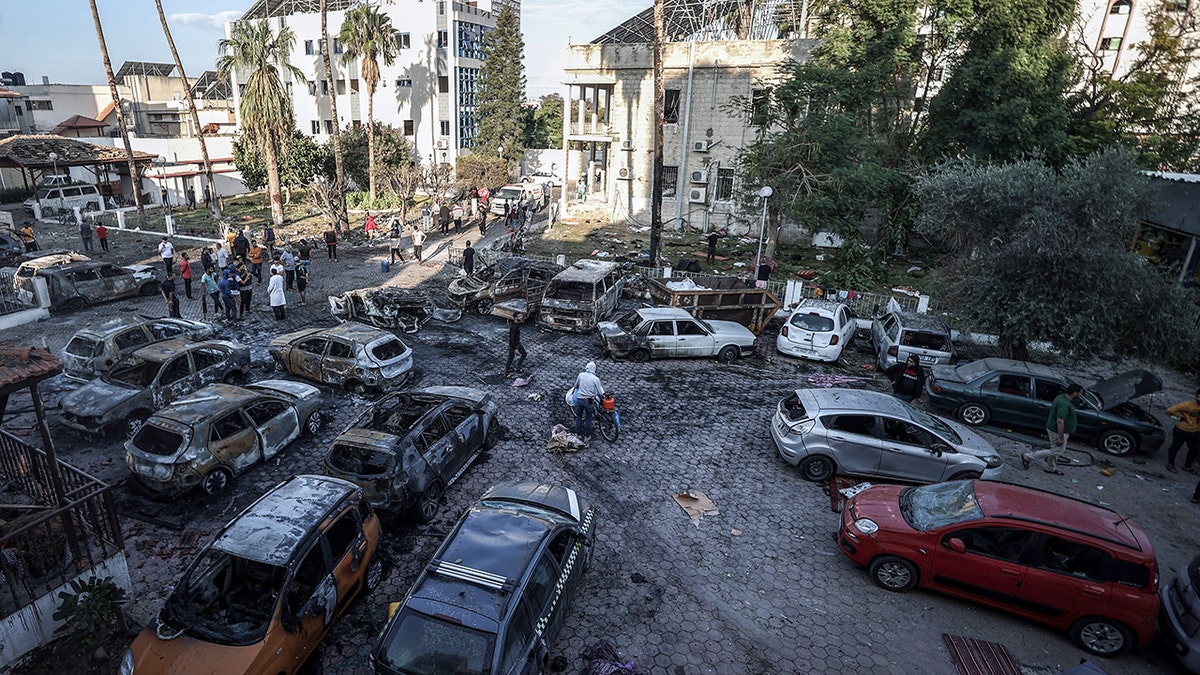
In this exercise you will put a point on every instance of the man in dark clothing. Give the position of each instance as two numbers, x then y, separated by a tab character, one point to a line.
444	218
483	222
331	242
713	238
469	259
908	379
168	293
191	197
241	246
269	241
514	344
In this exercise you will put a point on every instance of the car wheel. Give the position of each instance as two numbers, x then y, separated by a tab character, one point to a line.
965	475
492	437
1118	442
484	307
727	354
639	355
428	503
233	377
279	367
314	422
135	422
1103	637
894	574
148	289
974	414
216	481
72	305
817	468
376	571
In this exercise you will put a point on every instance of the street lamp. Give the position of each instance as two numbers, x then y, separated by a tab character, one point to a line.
162	167
500	152
54	159
765	192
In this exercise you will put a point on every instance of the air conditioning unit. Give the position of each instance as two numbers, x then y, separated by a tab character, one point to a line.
701	146
443	144
697	195
627	144
700	177
625	173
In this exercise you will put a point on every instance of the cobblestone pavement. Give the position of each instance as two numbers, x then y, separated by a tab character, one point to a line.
758	588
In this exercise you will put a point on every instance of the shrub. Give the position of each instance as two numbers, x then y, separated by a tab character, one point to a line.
11	195
93	608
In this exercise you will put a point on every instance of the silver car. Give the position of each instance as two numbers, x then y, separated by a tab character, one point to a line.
672	332
94	349
1180	607
868	433
897	335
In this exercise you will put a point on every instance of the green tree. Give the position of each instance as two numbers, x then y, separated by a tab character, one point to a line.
479	170
265	107
1043	255
367	33
502	89
302	156
391	147
544	123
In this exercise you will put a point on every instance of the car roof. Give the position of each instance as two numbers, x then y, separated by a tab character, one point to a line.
1005	500
1014	366
161	351
350	330
663	313
272	529
835	400
55	259
819	304
212	400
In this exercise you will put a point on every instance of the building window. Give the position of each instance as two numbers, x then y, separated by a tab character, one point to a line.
441	8
41	105
324	87
409	128
288	87
1121	7
760	99
443	39
404	40
670	177
312	88
445	127
938	74
468	125
1110	44
337	46
671	106
403	83
724	185
19	111
308	48
443	84
469	38
329	127
316	127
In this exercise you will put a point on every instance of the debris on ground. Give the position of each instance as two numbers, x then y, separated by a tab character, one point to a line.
828	380
604	659
697	505
562	440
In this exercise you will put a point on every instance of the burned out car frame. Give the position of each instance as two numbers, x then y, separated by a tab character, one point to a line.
354	356
581	296
386	307
506	280
91	351
74	284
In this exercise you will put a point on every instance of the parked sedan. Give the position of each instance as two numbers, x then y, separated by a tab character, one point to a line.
351	355
1019	393
94	349
1181	614
867	433
148	379
660	332
406	449
220	432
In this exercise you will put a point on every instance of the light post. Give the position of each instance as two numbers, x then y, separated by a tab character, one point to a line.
162	168
765	192
54	160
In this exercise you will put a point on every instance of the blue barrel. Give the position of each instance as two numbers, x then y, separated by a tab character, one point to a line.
385	266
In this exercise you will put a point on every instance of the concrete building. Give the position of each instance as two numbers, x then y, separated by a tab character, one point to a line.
14	114
429	92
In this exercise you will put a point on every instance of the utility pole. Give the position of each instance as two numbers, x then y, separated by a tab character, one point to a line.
656	192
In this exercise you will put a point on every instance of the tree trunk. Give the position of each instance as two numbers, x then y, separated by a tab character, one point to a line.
371	142
1013	348
215	205
274	192
656	191
340	218
135	176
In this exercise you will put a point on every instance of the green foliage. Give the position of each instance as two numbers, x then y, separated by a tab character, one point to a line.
501	92
92	608
481	170
16	194
382	201
303	159
544	124
368	32
1044	256
265	107
392	149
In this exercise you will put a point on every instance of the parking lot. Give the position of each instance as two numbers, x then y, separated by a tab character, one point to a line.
759	587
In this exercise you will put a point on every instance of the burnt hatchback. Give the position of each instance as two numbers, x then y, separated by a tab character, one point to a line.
94	349
353	356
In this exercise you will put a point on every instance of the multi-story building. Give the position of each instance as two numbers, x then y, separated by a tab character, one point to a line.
429	92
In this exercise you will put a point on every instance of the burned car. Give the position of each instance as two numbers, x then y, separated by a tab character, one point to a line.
406	449
355	357
581	296
149	378
261	597
388	307
220	432
508	287
671	332
74	284
11	246
93	350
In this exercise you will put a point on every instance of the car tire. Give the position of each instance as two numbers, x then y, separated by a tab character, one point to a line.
817	468
278	365
216	481
1118	442
639	355
727	354
376	571
357	388
148	289
973	414
484	307
1101	636
965	475
492	436
314	422
425	509
894	574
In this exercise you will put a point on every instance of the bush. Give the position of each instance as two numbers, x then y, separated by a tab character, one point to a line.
362	200
11	195
93	610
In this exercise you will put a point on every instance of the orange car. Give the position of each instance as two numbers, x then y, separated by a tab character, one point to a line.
263	594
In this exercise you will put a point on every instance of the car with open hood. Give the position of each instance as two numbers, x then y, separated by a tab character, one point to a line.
92	350
149	378
1019	394
219	432
410	446
496	593
261	597
662	332
354	356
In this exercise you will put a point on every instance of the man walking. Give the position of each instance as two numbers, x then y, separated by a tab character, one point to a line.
457	216
85	233
210	291
444	218
191	198
256	261
1059	427
908	379
269	240
418	238
227	287
303	254
166	251
713	238
207	196
27	237
185	273
514	345
469	259
587	388
426	217
394	242
168	293
102	235
278	298
1186	431
331	242
289	267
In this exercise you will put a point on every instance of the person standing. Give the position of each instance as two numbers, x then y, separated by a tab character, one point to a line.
168	293
303	254
166	251
245	282
302	283
185	273
222	256
444	218
102	235
163	193
276	293
426	217
418	238
1059	427
256	261
269	240
210	291
514	345
241	246
206	258
469	259
289	267
207	196
28	238
457	216
85	233
369	227
587	389
227	286
331	242
713	238
908	379
191	197
394	242
1186	431
483	222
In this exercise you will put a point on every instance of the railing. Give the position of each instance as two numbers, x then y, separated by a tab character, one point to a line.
44	546
589	129
10	299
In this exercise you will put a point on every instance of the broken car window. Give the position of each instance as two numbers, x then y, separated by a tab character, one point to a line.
264	411
85	347
316	347
388	350
812	322
176	370
228	426
130	339
360	461
133	371
932	506
424	645
225	599
340	350
155	440
922	340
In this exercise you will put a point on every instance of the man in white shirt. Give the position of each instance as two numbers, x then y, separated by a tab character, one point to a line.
166	251
222	256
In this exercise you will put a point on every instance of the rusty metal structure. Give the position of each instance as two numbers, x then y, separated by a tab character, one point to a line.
704	20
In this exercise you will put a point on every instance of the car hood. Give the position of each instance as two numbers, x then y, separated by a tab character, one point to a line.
946	374
880	503
972	443
1125	387
96	398
78	366
730	330
186	654
609	329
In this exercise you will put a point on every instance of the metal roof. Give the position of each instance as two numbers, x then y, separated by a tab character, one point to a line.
263	9
703	20
23	366
271	529
144	68
211	86
33	152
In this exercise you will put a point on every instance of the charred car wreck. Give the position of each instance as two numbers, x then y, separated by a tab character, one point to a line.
581	296
508	287
389	307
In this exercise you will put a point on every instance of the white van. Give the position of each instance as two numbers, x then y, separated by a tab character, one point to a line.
54	199
511	194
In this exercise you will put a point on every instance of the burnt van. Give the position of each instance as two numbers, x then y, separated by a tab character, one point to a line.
581	296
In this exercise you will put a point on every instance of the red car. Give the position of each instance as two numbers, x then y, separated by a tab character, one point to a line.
1052	559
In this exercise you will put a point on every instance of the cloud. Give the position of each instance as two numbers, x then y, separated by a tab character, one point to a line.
203	21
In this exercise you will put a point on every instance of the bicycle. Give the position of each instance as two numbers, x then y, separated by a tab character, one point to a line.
606	417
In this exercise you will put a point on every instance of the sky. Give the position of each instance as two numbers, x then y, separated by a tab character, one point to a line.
56	38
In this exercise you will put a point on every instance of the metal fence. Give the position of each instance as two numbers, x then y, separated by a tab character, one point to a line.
10	298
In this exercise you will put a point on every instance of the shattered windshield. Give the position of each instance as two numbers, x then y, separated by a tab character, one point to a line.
156	440
133	371
224	599
388	350
932	506
425	645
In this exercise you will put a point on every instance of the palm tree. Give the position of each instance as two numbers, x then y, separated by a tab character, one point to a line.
212	187
265	106
368	33
340	192
135	177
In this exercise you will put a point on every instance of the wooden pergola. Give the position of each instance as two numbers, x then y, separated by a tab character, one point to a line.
31	154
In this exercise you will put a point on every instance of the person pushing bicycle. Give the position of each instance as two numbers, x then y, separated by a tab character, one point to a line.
588	388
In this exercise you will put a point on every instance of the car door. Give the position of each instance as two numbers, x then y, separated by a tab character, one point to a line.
232	440
88	283
276	422
1065	579
309	603
1045	390
175	380
853	441
519	645
211	363
846	325
162	330
660	335
436	444
348	547
118	283
693	339
985	563
466	436
909	452
1009	397
304	359
338	363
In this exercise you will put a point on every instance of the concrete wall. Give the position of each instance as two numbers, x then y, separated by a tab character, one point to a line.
66	100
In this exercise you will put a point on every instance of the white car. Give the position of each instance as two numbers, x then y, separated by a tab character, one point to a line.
543	177
670	331
818	330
